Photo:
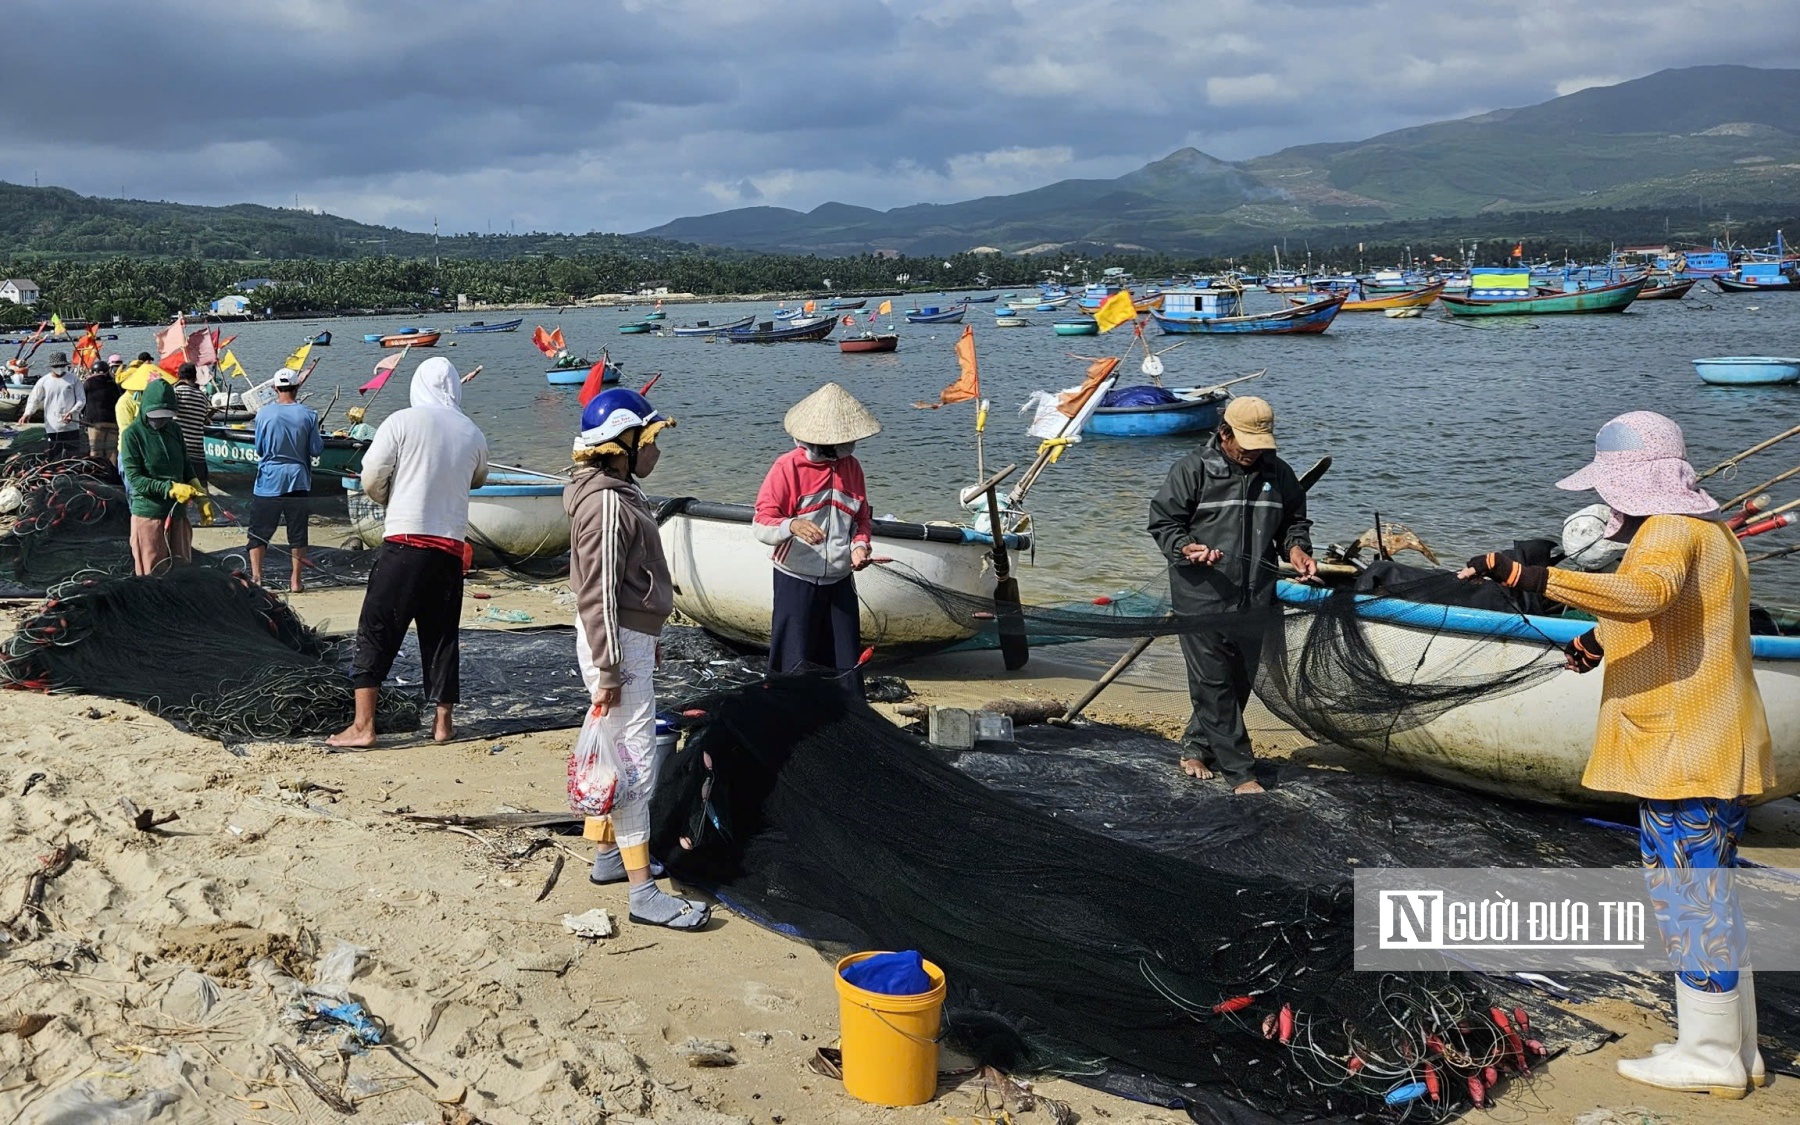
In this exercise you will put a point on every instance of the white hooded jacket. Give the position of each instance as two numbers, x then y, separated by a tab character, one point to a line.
424	459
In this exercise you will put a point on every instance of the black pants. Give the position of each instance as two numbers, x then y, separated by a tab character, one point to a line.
814	625
290	509
408	585
1220	669
64	444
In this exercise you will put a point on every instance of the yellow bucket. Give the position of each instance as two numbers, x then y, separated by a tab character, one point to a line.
889	1042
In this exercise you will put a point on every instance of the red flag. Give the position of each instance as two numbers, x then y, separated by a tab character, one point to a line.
173	361
1097	373
383	370
199	348
542	340
173	339
1518	250
596	378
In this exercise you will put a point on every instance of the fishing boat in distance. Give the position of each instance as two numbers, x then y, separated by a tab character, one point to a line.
1011	322
1670	290
1410	313
932	314
481	326
636	328
1531	744
1208	312
1149	411
1748	370
373	337
846	306
723	576
987	300
1080	326
574	373
799	330
322	340
870	342
413	339
1761	277
1416	298
707	328
1496	301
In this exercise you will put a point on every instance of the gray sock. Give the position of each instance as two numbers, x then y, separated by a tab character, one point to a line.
609	867
651	906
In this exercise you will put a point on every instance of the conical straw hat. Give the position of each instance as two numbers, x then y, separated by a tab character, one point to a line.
830	416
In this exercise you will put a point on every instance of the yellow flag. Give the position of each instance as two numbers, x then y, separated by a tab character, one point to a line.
298	360
228	363
56	325
886	309
1115	310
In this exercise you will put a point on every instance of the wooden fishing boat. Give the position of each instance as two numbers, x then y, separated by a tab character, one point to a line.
846	306
1309	319
322	340
498	326
1416	298
1655	290
515	516
1086	326
1194	409
1049	304
231	451
707	328
636	328
1604	299
1748	370
931	314
1531	744
1011	322
411	340
987	300
575	374
870	342
1760	277
800	330
1412	313
724	580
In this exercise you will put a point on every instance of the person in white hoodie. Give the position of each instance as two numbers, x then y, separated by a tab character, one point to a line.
421	465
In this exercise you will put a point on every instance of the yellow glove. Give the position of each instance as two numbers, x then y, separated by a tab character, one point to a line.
207	512
182	493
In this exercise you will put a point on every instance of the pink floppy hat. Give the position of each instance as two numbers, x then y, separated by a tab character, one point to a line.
1640	469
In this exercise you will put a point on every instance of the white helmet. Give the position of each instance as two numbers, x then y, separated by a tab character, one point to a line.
1584	542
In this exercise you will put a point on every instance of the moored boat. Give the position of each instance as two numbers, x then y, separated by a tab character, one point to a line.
636	328
932	314
707	328
656	315
724	580
498	326
322	340
1761	277
1186	410
1748	370
1604	299
870	342
231	451
1410	313
1531	744
1084	326
987	300
414	339
575	373
1655	290
846	306
374	337
1415	298
514	516
1309	319
1011	322
799	330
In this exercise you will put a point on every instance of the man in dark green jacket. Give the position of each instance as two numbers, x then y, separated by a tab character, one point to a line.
1227	516
154	456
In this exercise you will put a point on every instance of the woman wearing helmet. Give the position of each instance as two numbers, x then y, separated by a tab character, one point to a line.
623	594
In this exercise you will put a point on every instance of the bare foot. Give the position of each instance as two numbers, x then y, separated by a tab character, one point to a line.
1248	788
353	737
442	728
1196	769
296	588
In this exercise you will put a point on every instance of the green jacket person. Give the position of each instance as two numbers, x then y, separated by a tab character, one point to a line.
153	454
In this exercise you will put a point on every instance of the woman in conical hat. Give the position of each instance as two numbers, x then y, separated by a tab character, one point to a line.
813	510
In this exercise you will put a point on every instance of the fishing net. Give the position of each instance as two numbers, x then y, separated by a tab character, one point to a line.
197	646
1069	950
60	516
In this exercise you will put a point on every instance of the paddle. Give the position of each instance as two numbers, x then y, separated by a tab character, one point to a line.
1015	649
1067	718
1757	448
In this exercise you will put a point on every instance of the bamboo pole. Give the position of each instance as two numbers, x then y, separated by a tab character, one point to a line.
1757	448
1749	493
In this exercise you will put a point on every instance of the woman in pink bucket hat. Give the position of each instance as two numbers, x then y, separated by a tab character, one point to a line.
1681	725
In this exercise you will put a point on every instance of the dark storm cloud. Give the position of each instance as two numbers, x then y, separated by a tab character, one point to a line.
619	114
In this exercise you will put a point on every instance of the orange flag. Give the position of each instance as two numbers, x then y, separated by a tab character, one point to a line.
807	308
886	309
1114	311
1071	403
968	387
541	340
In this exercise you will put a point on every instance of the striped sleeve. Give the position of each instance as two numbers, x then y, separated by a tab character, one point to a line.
599	599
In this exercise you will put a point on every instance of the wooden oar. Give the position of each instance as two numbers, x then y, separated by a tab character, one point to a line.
1067	718
1757	448
1015	649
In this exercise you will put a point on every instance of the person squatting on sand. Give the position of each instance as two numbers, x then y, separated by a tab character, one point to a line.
420	466
1681	726
623	595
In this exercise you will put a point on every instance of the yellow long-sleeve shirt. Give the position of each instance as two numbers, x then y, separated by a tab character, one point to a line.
1680	713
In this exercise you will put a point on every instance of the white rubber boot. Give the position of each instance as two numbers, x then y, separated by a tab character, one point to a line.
1751	1054
1707	1055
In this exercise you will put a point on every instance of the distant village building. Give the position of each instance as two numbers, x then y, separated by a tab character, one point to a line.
654	289
19	290
233	304
252	284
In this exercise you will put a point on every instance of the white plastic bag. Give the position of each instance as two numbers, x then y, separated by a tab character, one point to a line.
603	771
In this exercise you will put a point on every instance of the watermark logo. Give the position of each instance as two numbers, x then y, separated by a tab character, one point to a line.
1433	919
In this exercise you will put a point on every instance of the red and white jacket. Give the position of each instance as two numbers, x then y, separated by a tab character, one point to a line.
829	493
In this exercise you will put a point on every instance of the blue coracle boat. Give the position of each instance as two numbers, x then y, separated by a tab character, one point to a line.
1156	411
931	314
1748	370
575	375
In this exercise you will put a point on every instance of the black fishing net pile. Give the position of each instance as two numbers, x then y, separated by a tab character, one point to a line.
58	517
197	646
1068	950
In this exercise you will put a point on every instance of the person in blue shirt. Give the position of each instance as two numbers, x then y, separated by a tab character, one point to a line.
287	440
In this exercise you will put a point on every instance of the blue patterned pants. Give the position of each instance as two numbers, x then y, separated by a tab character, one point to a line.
1701	922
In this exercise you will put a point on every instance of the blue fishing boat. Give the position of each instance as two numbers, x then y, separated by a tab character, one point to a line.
1760	277
657	315
373	337
708	328
987	300
789	314
1085	326
1748	370
575	374
931	314
795	331
846	306
322	340
636	329
1701	264
498	326
1309	319
1149	411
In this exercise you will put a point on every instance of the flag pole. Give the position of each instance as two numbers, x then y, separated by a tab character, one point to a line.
403	350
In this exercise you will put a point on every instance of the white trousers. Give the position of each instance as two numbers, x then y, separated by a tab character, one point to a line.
630	726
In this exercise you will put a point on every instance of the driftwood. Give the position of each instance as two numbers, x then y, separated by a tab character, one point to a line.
493	820
550	882
310	1079
1026	712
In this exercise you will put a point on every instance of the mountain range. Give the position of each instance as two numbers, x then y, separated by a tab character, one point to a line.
1715	137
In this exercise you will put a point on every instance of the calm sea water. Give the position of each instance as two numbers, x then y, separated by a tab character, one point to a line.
1457	429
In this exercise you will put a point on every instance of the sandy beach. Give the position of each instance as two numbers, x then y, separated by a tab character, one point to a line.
169	962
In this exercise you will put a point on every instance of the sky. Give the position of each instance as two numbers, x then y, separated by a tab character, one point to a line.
618	115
